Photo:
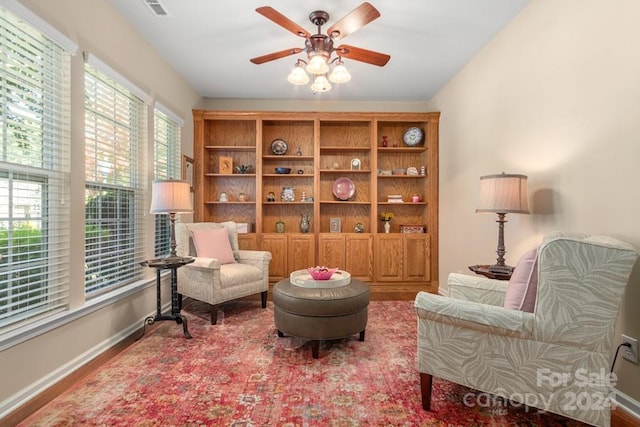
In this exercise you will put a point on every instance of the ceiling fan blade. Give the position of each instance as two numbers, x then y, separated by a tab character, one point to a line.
272	14
362	55
275	55
357	18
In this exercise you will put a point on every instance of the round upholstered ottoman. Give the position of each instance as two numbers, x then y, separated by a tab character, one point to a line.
320	313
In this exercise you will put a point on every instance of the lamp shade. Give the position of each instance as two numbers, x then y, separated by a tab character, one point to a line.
170	196
298	76
340	74
318	65
320	84
503	193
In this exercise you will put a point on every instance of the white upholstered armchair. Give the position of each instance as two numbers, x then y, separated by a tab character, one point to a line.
221	271
556	357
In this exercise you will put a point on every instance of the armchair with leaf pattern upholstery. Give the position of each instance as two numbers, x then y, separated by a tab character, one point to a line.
556	357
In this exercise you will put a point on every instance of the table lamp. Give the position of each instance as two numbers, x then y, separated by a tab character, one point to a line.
502	194
171	197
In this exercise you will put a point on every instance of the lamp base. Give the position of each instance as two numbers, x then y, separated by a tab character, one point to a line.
501	269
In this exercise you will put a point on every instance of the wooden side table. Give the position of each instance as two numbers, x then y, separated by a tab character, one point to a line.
484	271
173	264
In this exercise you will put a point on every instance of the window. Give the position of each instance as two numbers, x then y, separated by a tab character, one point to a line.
115	143
167	165
34	173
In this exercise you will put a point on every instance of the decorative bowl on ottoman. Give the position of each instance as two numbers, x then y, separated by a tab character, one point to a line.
283	170
321	273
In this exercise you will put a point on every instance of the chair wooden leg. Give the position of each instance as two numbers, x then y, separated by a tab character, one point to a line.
214	314
426	381
263	297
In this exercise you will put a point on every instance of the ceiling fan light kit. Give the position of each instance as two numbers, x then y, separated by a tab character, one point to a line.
319	47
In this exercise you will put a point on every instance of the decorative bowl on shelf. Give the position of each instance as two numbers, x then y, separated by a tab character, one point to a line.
321	273
283	170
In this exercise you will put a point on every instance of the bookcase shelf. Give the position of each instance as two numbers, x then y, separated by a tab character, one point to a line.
321	148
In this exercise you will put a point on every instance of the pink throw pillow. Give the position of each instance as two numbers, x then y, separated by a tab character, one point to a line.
523	285
213	243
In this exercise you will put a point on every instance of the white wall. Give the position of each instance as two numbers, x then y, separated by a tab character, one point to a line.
97	28
555	96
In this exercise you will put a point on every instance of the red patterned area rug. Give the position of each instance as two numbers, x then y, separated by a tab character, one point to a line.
239	373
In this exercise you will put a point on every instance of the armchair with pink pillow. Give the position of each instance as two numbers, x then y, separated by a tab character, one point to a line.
222	271
544	339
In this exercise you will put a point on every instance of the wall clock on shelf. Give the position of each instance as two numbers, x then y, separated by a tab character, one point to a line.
413	136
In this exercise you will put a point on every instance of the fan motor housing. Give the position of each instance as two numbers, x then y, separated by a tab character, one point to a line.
319	44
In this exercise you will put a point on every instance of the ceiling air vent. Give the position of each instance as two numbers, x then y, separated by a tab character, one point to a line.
156	8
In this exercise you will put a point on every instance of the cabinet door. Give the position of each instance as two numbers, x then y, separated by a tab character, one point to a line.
389	259
301	252
248	241
358	254
417	257
331	250
277	245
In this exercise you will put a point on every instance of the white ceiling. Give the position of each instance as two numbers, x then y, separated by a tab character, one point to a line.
210	42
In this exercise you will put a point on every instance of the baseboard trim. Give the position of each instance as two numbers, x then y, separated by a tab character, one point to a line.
627	403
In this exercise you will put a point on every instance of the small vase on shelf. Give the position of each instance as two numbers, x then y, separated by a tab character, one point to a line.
387	226
305	225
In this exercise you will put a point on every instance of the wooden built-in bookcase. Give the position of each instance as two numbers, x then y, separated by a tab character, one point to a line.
321	149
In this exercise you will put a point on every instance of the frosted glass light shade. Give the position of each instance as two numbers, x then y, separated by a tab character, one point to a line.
320	84
298	76
340	74
318	65
170	196
503	193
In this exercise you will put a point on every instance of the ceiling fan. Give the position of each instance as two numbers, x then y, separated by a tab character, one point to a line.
319	47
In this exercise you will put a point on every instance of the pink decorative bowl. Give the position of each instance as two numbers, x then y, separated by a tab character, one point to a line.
321	273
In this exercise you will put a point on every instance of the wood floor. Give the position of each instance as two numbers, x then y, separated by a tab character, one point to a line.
619	417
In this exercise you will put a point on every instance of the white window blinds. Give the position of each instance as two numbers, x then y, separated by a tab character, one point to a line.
34	173
167	165
115	143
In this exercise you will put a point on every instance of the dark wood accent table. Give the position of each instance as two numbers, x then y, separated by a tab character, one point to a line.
173	264
484	271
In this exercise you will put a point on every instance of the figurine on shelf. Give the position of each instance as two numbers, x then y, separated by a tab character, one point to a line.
243	169
223	197
271	197
298	152
384	143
